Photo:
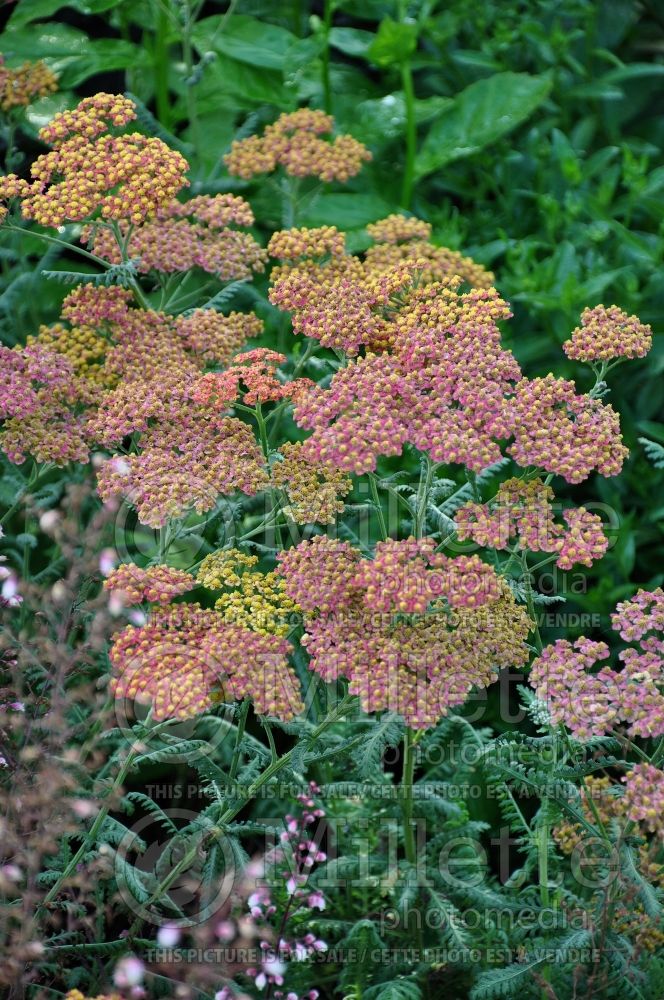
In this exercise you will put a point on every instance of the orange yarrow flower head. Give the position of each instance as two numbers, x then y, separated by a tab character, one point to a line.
187	659
253	374
300	143
93	173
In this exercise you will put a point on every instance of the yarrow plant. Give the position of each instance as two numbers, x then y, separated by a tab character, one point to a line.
293	596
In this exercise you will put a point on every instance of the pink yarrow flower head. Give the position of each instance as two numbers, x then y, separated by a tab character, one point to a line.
199	233
412	632
644	797
156	583
607	333
186	659
562	432
590	701
523	510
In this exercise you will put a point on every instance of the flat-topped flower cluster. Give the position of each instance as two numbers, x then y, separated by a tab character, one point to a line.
410	347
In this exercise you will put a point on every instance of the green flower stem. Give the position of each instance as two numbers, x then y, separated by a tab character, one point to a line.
188	57
270	738
262	430
325	57
135	287
422	499
63	243
36	474
530	600
379	509
411	134
241	724
407	796
161	64
10	135
409	841
89	839
289	191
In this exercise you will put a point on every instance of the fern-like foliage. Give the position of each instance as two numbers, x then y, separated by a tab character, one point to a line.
384	732
149	124
654	452
505	982
123	274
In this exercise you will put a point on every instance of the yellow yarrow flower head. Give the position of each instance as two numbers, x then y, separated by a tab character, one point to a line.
256	600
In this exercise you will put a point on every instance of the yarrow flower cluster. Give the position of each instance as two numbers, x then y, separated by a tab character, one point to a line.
187	659
252	375
188	455
399	239
314	491
214	337
442	389
590	703
183	235
91	172
25	84
296	143
562	432
606	333
251	598
37	390
109	371
523	509
412	630
156	583
434	373
644	797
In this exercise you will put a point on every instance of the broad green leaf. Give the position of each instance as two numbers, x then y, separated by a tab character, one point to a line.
245	39
104	56
351	41
395	41
27	11
482	113
70	53
396	989
40	113
347	210
476	60
376	121
230	85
